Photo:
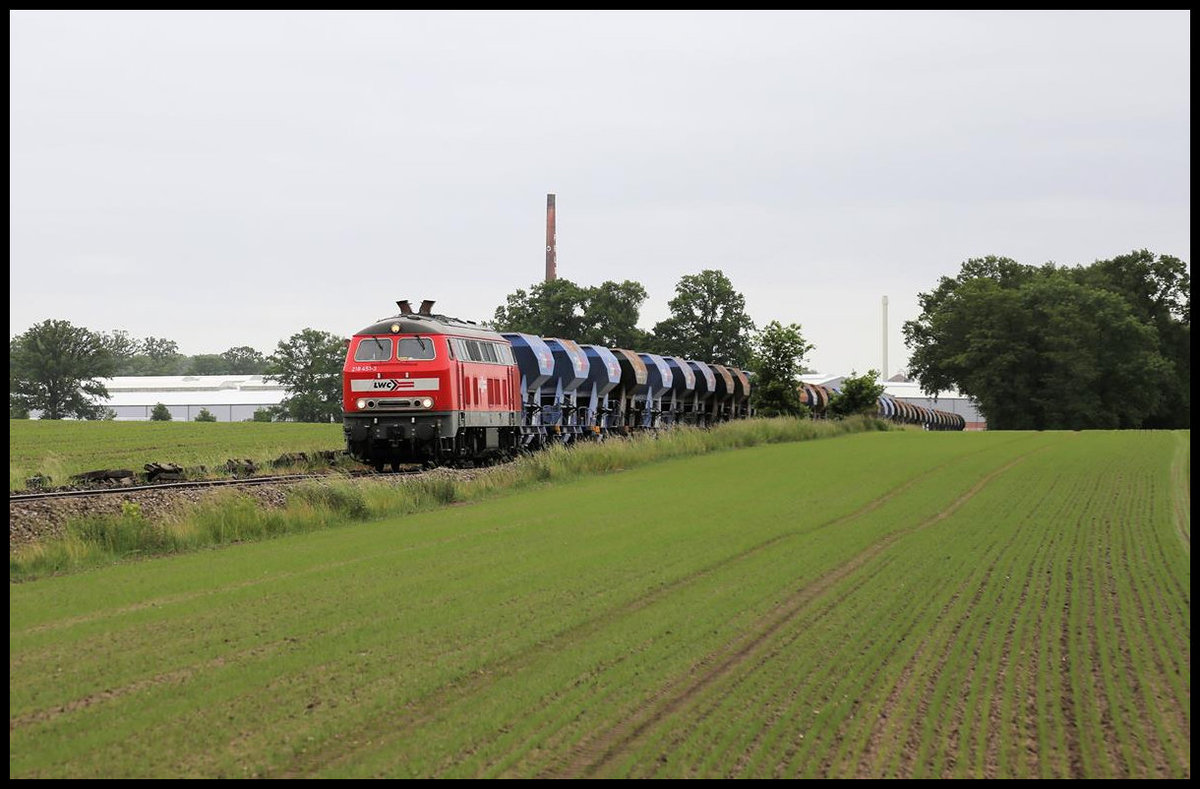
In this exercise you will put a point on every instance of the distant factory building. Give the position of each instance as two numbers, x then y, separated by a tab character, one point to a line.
230	398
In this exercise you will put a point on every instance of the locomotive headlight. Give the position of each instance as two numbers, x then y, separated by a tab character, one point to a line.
427	402
361	403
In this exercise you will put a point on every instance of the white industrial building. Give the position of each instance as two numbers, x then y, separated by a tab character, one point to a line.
230	398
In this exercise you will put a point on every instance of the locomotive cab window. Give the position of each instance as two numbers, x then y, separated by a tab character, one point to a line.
373	349
414	348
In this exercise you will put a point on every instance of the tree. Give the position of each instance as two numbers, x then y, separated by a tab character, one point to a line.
265	414
548	309
611	311
708	321
777	361
1158	290
309	365
860	395
123	348
160	413
205	416
244	360
160	356
207	364
151	356
1038	348
56	368
605	315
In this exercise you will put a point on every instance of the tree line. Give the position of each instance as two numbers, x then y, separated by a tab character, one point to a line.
1100	346
57	369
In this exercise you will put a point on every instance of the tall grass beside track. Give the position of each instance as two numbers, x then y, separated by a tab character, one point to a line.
233	517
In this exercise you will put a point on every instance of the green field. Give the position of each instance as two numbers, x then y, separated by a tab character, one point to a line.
900	604
63	448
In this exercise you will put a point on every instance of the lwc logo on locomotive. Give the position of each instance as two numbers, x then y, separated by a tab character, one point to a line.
394	384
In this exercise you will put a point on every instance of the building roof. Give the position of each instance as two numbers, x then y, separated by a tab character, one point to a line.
901	389
191	390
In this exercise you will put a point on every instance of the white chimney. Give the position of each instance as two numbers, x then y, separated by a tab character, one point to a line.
884	372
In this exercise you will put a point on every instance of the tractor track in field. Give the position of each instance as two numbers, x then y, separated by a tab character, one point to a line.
879	742
423	710
592	756
555	770
177	676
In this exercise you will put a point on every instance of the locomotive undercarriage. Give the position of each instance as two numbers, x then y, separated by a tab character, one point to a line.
447	439
427	439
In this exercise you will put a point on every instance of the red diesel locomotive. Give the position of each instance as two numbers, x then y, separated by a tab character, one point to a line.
429	389
425	388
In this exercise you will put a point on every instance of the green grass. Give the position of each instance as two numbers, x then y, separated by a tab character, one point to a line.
61	449
234	517
899	604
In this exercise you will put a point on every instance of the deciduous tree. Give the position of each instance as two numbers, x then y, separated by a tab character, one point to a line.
859	395
605	315
611	311
547	309
309	365
708	321
244	360
777	361
1039	347
207	364
57	368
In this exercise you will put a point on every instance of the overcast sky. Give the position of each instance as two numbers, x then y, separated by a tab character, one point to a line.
230	178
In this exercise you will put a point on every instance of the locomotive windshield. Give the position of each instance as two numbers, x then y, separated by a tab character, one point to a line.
414	348
379	349
374	349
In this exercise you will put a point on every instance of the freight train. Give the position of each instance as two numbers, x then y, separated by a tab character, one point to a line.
817	397
424	388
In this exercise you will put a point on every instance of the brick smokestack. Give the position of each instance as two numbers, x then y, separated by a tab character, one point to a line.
551	253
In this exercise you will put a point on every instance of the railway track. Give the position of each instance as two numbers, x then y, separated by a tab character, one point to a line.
275	479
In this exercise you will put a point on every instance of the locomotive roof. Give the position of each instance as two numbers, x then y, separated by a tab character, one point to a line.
411	323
